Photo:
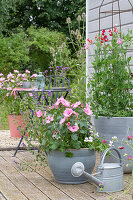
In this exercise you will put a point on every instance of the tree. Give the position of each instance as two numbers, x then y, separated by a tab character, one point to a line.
42	13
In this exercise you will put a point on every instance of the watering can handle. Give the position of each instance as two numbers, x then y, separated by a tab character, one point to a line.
104	154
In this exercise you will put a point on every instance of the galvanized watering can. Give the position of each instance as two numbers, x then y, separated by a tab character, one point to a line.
109	176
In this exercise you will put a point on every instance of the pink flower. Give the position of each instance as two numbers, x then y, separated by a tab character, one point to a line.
30	94
87	110
63	101
2	79
76	104
27	71
75	113
86	46
120	147
16	71
68	124
119	41
33	76
62	120
44	113
9	88
1	74
104	141
39	113
10	75
7	94
19	75
68	112
129	137
82	105
129	157
73	128
49	119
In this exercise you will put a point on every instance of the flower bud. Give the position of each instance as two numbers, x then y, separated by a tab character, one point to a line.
83	16
79	18
68	20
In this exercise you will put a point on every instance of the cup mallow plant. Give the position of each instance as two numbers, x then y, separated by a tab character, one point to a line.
63	126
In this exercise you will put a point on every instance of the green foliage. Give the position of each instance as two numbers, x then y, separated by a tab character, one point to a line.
112	81
13	52
41	13
31	50
40	42
78	62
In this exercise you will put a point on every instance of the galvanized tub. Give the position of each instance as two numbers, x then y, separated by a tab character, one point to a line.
120	127
61	165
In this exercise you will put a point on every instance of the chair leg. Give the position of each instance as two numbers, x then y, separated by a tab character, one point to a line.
18	145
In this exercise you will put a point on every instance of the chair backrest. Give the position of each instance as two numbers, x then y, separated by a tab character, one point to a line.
58	86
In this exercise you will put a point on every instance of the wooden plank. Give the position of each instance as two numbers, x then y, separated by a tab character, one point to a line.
88	188
73	190
12	192
19	181
2	197
39	181
70	190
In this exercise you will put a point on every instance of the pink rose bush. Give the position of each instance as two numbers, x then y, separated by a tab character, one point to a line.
65	126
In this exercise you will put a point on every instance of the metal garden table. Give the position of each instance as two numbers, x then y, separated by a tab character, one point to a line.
48	95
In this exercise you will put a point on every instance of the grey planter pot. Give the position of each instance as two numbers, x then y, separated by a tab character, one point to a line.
117	126
60	165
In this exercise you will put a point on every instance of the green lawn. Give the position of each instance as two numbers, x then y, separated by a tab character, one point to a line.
3	118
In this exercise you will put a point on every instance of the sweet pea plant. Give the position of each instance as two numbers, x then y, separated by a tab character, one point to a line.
64	126
7	84
112	78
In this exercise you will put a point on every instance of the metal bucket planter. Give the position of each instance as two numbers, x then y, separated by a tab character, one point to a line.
117	126
61	165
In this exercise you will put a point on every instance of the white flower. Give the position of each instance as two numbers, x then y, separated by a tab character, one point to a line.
90	139
114	139
96	135
125	154
111	143
86	139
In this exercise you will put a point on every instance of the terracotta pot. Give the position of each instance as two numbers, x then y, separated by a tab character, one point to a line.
14	122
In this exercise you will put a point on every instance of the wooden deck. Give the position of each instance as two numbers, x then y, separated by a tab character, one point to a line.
19	184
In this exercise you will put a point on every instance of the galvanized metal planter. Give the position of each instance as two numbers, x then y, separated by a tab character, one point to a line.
117	126
60	165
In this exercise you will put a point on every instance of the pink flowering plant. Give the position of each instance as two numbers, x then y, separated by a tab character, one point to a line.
111	81
64	126
10	82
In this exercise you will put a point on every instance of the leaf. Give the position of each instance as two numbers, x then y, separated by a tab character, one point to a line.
83	123
69	154
74	137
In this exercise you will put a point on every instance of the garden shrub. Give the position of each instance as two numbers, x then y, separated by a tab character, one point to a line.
13	52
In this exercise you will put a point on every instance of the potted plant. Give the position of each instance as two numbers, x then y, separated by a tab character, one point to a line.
65	133
111	85
13	103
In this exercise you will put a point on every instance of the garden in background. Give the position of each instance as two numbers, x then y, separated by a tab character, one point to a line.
43	42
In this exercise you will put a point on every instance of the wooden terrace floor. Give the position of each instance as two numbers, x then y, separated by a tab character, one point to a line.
19	184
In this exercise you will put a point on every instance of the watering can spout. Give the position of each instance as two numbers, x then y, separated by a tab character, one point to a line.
78	169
